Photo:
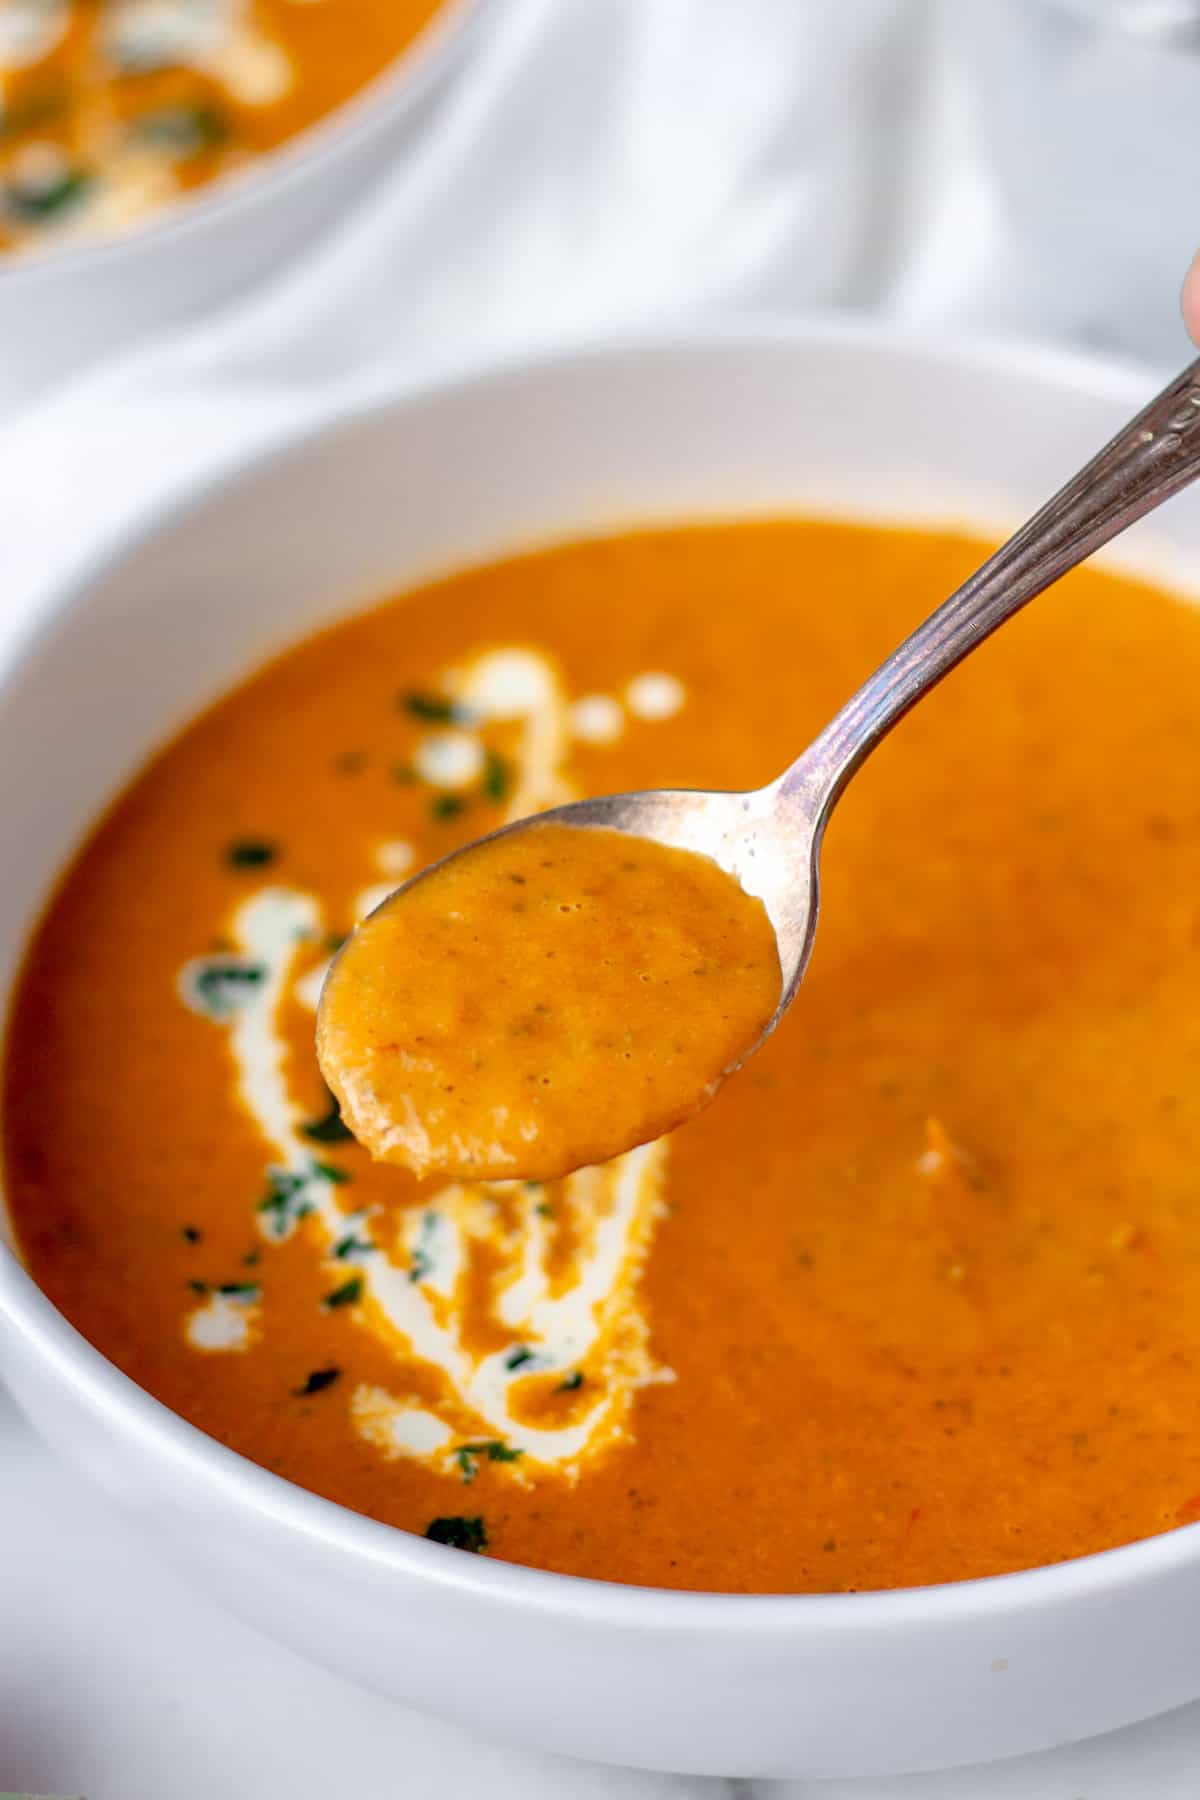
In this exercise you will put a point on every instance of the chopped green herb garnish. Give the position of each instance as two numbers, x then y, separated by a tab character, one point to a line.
251	1258
331	1172
232	1290
544	1210
191	1234
459	1533
353	1246
44	199
250	853
404	773
570	1383
531	1187
331	1128
518	1358
187	130
334	942
222	987
286	1201
320	1378
422	1262
283	1185
447	806
497	776
467	1456
439	709
346	1295
350	762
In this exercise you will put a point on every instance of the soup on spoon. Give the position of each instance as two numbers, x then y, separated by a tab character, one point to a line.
555	994
543	1000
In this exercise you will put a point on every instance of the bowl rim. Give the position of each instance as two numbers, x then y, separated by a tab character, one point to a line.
48	1338
392	91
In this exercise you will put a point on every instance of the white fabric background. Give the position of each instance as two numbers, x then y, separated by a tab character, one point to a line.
997	164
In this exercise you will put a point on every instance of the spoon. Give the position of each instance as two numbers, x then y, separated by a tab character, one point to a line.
769	839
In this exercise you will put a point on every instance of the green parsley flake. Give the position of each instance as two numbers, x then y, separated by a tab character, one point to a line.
422	1261
497	777
437	709
251	853
331	1128
467	1456
348	1294
286	1202
319	1379
45	199
331	1172
220	988
352	1246
459	1533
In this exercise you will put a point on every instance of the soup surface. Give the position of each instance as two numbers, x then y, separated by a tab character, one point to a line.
917	1298
469	1023
109	109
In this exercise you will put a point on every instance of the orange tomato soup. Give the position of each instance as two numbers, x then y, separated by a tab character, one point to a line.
110	109
917	1298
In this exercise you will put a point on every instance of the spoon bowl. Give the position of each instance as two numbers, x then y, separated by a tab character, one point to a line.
768	840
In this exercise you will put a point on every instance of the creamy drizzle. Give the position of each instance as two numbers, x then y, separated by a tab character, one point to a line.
398	1427
216	37
412	1285
223	1322
597	719
449	759
654	696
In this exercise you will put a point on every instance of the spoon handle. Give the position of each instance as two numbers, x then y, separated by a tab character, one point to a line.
1151	458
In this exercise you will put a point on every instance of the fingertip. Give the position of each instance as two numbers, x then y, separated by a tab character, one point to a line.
1190	300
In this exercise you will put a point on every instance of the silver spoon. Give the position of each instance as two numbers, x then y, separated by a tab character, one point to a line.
770	838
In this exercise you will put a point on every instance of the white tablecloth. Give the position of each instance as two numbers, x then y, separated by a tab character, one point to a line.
999	164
